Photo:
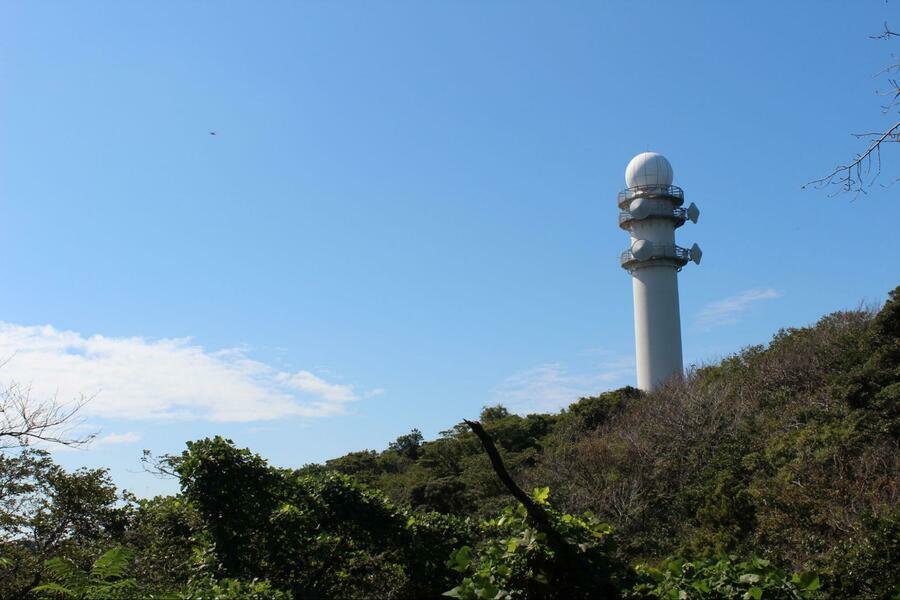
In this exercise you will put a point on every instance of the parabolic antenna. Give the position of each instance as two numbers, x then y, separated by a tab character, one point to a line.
693	213
696	253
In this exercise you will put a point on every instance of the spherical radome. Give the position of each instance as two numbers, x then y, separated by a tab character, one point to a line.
648	168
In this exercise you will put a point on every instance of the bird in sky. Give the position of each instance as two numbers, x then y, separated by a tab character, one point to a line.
212	133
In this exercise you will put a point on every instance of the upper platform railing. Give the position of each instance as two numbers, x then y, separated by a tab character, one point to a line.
671	253
679	215
669	192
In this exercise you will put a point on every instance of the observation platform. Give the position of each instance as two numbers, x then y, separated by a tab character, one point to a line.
678	215
657	255
672	193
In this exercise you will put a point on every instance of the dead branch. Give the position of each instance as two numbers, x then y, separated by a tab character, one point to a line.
536	512
851	176
885	35
894	137
24	420
866	167
163	466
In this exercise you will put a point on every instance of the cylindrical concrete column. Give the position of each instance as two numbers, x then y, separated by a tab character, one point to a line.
657	325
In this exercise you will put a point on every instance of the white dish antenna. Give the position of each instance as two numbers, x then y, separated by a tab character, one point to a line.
696	253
693	213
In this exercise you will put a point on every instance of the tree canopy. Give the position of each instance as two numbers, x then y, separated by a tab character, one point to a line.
771	474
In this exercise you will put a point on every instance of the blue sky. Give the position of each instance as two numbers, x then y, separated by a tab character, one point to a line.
408	209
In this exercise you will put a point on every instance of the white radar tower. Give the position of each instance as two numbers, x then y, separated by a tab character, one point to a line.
650	211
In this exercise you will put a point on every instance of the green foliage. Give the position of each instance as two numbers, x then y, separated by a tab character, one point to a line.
166	533
590	413
451	474
408	445
106	579
513	559
232	589
789	451
60	513
364	465
319	534
857	567
235	492
490	414
723	578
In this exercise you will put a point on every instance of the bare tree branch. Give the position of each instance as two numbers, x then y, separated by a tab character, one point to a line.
24	420
851	176
862	172
885	35
159	466
894	137
536	512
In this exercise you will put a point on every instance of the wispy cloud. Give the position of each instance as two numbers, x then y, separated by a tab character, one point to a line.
111	439
304	381
728	310
552	386
136	378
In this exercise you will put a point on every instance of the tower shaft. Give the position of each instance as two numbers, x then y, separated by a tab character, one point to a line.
657	325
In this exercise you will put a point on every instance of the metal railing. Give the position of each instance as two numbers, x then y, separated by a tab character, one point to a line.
672	192
658	251
678	214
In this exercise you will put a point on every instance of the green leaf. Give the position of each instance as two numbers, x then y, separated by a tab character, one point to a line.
454	593
461	559
112	565
807	581
754	593
64	570
541	495
54	588
701	586
675	566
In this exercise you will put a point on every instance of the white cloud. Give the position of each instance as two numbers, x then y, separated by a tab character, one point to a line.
727	310
305	381
136	378
552	386
116	438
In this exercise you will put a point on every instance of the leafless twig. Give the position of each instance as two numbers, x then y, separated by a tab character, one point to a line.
862	172
853	176
885	35
159	466
24	420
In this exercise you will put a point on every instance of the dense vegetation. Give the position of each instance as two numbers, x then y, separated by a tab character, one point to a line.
773	474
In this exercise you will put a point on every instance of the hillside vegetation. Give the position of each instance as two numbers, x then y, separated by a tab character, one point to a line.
773	474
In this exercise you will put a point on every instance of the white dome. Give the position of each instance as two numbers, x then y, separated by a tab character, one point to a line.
648	168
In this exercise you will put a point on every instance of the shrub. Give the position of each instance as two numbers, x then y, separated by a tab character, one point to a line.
723	578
